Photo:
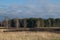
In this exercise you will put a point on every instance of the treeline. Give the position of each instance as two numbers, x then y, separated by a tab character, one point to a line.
37	22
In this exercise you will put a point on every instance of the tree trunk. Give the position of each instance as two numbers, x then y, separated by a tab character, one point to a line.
25	23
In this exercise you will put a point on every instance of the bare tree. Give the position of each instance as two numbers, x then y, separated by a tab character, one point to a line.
49	22
25	23
7	22
42	22
38	23
17	22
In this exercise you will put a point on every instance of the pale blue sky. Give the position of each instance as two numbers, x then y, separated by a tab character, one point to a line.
22	2
30	8
7	2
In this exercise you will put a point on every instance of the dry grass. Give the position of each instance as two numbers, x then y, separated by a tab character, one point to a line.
29	36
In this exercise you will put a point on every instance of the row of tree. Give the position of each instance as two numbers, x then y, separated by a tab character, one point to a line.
37	22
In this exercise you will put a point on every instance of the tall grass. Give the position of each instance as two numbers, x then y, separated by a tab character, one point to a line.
29	36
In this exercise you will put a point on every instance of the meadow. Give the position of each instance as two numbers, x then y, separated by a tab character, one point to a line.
25	35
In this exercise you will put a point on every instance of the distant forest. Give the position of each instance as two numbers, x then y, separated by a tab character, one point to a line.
34	22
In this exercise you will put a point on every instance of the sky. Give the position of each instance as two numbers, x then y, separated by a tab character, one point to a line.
30	8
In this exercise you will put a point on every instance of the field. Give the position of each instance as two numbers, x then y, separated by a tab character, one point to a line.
29	36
